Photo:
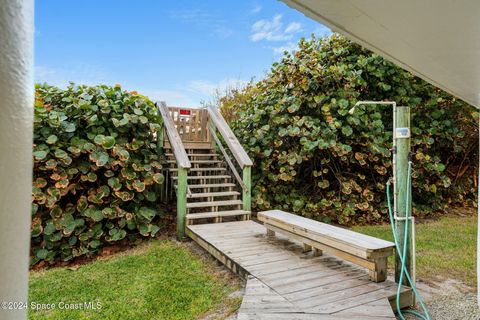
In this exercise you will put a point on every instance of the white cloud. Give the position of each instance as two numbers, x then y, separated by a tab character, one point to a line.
293	27
322	31
171	97
256	9
92	75
208	89
79	73
273	30
204	19
194	92
290	46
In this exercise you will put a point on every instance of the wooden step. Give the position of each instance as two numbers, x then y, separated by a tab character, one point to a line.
214	194
191	145
214	204
212	185
201	169
204	177
199	161
203	215
196	154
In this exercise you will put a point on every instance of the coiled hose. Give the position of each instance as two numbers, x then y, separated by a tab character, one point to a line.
402	255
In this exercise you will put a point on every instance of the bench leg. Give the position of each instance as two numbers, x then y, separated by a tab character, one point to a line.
270	233
307	248
380	272
317	252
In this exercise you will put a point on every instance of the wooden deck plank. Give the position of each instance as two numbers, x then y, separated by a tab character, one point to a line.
377	308
286	283
302	316
260	297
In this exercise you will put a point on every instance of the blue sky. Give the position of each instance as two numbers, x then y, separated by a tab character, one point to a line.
178	51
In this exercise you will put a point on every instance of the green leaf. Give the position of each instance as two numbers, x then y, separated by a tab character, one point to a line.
154	229
56	212
343	103
114	183
61	154
318	99
117	234
99	157
92	177
99	139
151	196
97	215
41	253
324	184
68	127
139	186
40	155
49	229
37	228
347	130
147	213
108	142
52	139
40	183
94	243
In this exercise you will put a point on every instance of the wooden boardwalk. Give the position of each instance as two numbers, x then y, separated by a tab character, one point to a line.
285	283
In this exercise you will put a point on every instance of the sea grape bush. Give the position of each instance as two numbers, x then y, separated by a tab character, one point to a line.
95	170
314	158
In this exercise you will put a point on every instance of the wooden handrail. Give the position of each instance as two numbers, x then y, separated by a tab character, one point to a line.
227	158
173	137
235	147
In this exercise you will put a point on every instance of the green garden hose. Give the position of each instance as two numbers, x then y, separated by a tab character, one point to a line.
402	255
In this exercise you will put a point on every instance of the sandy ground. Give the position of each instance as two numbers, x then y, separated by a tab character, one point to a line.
449	300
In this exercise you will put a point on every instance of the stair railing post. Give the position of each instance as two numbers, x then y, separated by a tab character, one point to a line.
181	202
161	138
247	192
160	189
183	164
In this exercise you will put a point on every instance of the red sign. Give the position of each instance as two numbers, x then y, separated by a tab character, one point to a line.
184	112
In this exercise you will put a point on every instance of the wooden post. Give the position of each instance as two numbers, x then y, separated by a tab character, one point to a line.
401	177
181	202
160	189
307	248
161	138
380	272
247	194
317	252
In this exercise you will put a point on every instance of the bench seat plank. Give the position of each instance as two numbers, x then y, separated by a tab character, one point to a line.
349	241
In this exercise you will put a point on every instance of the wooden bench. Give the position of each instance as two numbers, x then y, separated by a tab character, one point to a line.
363	250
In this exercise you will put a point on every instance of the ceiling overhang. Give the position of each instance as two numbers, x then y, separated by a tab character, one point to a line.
437	40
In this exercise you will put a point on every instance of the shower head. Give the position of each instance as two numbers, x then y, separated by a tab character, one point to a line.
359	103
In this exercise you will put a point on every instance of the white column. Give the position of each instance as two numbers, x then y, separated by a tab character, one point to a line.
478	220
16	120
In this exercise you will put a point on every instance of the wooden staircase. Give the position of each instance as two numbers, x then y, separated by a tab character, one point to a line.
202	168
212	196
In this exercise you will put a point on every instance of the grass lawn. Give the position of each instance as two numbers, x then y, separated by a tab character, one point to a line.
158	280
446	248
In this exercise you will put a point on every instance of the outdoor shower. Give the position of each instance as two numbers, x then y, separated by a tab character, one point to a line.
401	217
